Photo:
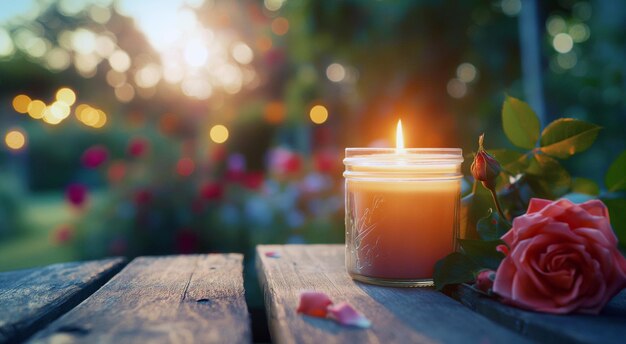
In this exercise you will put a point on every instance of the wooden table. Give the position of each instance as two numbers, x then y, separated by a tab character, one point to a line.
414	315
173	299
200	299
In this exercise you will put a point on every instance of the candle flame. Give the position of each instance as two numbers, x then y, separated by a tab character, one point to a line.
399	138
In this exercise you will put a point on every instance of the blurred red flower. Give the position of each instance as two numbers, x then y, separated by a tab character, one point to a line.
76	194
143	196
253	180
94	156
218	154
185	167
212	191
62	234
138	146
116	171
325	161
186	241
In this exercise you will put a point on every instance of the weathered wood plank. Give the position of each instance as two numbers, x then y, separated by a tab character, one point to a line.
30	299
608	327
398	315
182	299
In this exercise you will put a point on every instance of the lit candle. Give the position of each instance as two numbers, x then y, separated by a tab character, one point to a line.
402	211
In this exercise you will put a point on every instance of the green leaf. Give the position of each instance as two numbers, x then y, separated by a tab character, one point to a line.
546	177
483	252
520	123
453	269
616	175
567	136
585	186
511	161
617	213
491	227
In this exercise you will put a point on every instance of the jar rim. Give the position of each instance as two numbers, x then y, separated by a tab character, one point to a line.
391	156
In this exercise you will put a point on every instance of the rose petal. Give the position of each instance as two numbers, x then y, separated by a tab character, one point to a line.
595	207
345	314
536	204
273	254
314	303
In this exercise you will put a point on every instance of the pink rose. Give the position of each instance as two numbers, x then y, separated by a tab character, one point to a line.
563	258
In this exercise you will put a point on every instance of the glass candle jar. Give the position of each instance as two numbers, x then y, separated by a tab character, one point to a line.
402	212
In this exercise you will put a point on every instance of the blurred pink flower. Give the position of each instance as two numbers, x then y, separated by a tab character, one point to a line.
62	234
283	161
76	194
95	156
138	146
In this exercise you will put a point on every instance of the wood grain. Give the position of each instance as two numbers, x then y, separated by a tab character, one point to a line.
173	299
398	315
30	299
608	327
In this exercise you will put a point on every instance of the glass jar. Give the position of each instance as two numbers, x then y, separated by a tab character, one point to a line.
401	212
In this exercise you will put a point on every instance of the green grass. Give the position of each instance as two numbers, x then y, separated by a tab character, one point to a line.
36	247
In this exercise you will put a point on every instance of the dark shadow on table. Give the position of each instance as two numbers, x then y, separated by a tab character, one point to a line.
437	316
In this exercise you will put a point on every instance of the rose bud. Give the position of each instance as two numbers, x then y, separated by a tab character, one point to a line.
485	167
484	280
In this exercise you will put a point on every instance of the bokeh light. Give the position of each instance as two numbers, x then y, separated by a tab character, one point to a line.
36	109
66	95
91	116
125	93
273	5
456	88
466	72
511	7
318	114
219	133
15	139
6	44
242	53
335	72
21	102
280	26
119	61
563	43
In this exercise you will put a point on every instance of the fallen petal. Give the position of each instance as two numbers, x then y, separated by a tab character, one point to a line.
345	314
272	254
314	303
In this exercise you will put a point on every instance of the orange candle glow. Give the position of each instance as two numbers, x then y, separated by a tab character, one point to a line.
402	211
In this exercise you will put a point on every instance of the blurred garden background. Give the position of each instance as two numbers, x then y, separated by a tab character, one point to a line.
135	127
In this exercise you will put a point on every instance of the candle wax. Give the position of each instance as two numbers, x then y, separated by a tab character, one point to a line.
401	228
